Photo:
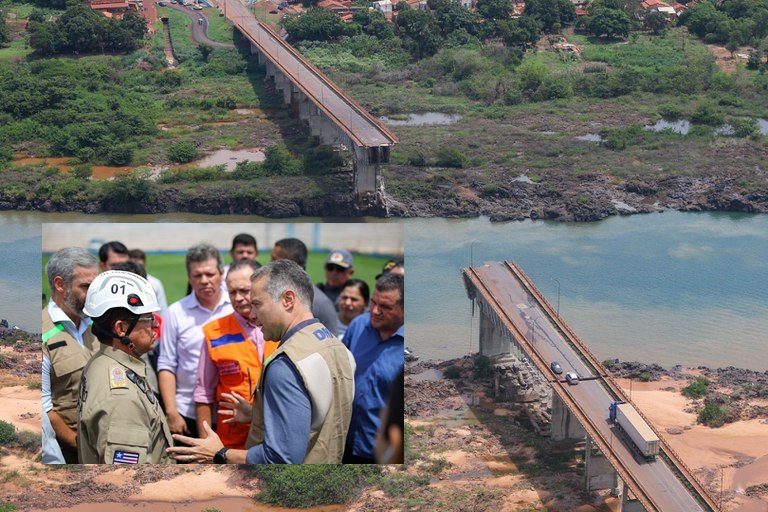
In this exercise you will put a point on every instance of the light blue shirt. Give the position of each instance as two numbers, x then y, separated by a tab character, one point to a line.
181	342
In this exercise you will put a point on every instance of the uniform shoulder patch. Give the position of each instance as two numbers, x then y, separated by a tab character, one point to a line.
58	344
117	378
122	457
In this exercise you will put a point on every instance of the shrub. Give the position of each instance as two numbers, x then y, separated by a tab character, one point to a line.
7	432
183	151
707	114
279	161
313	485
482	367
452	372
713	415
451	157
697	388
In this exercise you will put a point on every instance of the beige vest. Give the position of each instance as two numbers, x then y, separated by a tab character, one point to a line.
68	359
327	369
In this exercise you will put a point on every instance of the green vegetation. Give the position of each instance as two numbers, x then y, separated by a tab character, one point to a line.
713	415
313	485
183	151
697	388
482	368
7	432
452	372
82	30
8	507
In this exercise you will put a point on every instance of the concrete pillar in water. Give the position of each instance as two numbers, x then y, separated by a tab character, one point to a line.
599	474
564	424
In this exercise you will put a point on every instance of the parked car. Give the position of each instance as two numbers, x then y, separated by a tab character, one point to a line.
572	378
197	7
200	21
161	4
556	367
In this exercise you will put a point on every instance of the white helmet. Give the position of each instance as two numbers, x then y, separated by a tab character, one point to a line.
120	289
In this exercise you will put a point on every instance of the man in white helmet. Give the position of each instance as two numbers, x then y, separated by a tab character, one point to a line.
119	418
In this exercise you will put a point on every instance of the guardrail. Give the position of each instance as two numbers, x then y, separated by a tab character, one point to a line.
686	471
559	388
295	75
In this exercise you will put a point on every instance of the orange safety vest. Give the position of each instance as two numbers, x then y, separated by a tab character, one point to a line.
239	366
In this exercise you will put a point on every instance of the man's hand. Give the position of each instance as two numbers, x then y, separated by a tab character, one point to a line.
235	408
176	423
199	451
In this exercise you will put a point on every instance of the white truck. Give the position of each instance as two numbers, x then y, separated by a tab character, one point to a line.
635	428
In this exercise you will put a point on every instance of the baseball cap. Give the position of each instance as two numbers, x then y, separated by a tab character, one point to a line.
340	257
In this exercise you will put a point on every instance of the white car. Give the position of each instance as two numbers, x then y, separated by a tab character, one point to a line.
572	378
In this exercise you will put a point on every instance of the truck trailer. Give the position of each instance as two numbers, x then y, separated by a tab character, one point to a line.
635	429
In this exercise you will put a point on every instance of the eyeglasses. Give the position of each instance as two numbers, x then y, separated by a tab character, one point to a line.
147	319
335	268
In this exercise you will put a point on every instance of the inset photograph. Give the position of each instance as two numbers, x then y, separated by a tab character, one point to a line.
222	343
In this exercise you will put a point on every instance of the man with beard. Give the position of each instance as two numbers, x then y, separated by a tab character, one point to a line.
68	344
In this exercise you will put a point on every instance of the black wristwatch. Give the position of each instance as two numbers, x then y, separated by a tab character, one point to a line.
221	456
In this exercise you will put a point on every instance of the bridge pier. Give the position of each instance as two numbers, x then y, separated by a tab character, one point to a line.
492	337
564	424
599	474
629	504
366	160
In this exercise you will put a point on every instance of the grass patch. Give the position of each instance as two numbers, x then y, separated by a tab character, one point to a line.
313	485
697	388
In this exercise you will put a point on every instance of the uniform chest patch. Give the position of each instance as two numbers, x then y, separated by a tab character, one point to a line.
122	457
228	367
117	378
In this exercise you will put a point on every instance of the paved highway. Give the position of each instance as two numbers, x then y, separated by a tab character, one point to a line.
361	127
666	492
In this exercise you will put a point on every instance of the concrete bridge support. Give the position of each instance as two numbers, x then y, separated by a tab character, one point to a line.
564	424
629	504
366	162
599	474
492	338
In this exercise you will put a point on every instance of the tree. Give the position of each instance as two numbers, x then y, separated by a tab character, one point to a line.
656	22
420	33
314	25
551	12
494	9
452	16
182	152
5	36
523	31
610	22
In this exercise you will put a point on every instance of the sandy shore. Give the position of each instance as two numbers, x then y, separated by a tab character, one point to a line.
739	450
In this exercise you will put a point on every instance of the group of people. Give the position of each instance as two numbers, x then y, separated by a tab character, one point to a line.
255	365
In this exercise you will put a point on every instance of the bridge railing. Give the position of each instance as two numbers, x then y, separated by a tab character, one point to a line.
264	34
643	496
614	387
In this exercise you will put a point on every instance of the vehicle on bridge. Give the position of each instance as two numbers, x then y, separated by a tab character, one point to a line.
556	368
572	378
635	429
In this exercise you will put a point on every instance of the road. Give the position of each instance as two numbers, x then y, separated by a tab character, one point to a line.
362	128
199	31
665	491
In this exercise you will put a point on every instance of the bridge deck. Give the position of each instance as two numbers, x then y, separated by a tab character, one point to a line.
546	338
361	127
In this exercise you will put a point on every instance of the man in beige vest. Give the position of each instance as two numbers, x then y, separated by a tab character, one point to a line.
120	420
303	402
67	346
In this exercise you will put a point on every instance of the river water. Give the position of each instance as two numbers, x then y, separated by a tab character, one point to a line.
687	288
